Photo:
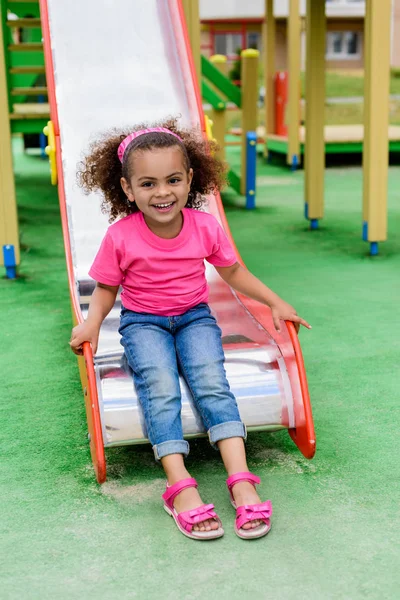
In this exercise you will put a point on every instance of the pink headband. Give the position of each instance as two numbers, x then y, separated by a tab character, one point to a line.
125	143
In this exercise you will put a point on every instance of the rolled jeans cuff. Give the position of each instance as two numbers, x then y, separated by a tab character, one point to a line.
227	430
171	447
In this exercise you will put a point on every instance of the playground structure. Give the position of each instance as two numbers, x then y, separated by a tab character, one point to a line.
17	115
214	84
22	80
265	369
375	139
217	89
338	139
316	139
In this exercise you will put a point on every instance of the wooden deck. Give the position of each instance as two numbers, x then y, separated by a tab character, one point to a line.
341	134
338	139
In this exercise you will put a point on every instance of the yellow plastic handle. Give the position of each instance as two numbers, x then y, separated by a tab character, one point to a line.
51	151
209	126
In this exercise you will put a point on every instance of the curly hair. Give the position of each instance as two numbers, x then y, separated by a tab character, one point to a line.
101	170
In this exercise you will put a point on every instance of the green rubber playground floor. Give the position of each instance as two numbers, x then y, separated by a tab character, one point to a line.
335	526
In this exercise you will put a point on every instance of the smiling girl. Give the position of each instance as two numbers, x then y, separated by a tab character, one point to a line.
155	178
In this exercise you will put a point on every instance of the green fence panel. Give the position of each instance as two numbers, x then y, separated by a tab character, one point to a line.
234	181
212	97
230	90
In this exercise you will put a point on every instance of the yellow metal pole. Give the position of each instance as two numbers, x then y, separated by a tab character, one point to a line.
376	121
249	104
293	108
8	204
192	14
218	117
315	111
269	65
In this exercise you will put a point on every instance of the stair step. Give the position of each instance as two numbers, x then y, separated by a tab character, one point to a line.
27	70
29	91
26	47
24	23
30	110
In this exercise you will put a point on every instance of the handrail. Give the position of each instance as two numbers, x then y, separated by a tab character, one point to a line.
212	97
231	91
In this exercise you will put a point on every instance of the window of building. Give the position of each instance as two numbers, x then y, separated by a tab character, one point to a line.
228	43
253	40
343	45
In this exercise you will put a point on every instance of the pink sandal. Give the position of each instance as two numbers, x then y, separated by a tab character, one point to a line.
250	512
186	520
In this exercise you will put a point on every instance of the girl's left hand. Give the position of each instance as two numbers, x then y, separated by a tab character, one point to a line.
282	311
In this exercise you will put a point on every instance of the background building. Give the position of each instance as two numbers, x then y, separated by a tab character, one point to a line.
228	25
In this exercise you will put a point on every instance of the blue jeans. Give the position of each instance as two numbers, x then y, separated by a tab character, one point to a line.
157	349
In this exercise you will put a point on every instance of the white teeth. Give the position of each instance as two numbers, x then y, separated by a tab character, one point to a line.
163	205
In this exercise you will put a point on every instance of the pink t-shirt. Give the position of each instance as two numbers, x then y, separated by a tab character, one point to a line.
162	276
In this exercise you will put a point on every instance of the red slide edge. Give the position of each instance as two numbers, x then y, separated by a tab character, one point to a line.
88	381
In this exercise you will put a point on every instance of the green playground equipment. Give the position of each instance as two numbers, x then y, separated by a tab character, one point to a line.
217	90
23	59
23	108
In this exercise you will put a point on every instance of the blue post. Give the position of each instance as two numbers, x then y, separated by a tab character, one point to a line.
373	248
9	261
251	161
295	162
313	222
365	231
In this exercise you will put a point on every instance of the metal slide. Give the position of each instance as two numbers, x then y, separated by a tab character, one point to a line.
112	63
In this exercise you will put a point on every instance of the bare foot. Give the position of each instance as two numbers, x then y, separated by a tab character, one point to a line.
245	493
189	499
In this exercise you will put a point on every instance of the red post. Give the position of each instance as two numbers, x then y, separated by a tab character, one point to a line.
281	97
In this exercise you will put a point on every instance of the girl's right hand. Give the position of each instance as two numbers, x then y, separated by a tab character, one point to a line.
85	332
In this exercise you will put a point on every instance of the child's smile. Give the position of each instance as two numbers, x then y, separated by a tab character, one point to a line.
164	207
160	186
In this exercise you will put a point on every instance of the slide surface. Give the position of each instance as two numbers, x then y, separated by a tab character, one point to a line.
111	64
